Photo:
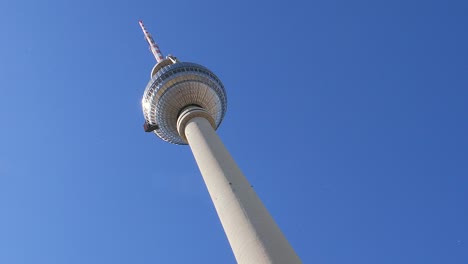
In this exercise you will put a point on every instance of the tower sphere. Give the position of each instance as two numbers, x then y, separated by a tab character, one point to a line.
175	85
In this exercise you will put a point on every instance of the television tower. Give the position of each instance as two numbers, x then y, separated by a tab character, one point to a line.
184	103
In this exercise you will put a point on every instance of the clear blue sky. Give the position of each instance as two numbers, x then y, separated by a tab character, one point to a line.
348	117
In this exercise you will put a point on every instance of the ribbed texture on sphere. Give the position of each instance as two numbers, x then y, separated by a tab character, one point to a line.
179	85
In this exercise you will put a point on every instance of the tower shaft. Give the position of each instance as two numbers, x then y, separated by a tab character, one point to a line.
252	233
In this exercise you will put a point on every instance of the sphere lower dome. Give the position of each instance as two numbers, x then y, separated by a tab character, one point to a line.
176	86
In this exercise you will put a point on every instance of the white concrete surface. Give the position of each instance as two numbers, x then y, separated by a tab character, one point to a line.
253	235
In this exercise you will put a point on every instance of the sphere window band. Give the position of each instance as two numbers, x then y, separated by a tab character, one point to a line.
174	87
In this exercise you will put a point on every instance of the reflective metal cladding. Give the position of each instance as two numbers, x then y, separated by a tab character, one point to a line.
176	86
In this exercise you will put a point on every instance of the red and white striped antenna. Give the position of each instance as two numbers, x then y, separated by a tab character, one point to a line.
153	45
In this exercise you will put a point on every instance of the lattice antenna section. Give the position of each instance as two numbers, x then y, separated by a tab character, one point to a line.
153	45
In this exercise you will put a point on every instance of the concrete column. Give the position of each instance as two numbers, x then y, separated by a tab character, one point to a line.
252	233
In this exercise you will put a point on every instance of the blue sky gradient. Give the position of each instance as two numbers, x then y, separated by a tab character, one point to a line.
349	118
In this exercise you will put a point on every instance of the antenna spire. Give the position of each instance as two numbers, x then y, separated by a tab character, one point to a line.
153	45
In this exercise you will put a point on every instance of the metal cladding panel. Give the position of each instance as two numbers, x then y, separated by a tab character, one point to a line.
176	86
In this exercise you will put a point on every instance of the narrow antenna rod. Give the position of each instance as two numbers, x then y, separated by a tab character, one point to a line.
153	45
